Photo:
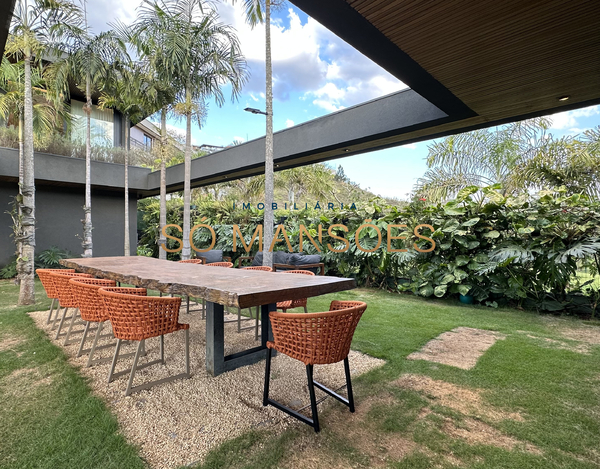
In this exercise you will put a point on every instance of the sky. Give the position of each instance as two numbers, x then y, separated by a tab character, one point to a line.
314	73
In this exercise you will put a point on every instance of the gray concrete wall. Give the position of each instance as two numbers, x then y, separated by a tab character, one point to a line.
59	213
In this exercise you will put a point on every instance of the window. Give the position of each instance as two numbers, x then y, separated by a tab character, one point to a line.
147	141
102	122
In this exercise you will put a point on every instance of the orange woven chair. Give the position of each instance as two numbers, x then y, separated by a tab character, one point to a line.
290	304
262	268
315	339
228	265
91	309
138	318
48	285
191	261
66	300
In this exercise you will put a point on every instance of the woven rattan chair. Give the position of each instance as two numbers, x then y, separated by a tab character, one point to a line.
49	287
290	304
138	318
227	265
66	300
315	339
91	309
262	268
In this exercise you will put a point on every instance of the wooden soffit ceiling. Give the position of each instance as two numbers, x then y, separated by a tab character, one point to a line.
502	59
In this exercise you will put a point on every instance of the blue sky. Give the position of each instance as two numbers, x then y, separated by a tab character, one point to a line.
315	73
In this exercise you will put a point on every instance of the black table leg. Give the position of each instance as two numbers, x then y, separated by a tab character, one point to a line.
216	362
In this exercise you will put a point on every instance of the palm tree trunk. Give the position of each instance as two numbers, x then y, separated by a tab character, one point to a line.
187	192
162	254
20	226
126	243
25	265
86	242
269	178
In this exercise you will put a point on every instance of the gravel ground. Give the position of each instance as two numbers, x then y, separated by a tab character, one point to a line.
178	423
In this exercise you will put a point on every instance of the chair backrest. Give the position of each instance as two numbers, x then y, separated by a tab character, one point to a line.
303	272
263	268
66	299
191	261
135	317
89	302
210	257
279	257
317	338
228	265
48	283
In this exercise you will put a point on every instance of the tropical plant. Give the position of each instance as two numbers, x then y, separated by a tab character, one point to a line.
38	28
482	158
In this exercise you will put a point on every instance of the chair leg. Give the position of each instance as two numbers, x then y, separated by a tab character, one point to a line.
187	305
187	352
305	310
90	358
114	362
349	385
313	400
162	349
203	308
256	323
54	322
239	321
73	318
267	378
51	309
133	367
60	324
85	333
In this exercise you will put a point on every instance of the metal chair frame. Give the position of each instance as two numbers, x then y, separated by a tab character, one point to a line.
304	338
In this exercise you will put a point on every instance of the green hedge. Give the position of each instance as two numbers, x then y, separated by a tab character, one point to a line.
522	250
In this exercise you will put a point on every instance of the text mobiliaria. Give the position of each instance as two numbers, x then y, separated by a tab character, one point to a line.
394	232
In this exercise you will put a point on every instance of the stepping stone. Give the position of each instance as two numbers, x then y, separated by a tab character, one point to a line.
460	347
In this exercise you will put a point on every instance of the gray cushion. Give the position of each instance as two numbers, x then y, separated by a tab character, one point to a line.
305	259
279	257
214	255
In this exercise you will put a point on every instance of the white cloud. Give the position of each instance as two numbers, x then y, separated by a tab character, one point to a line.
254	98
289	123
568	119
310	60
412	146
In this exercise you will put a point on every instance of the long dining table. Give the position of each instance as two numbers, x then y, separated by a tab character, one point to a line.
220	287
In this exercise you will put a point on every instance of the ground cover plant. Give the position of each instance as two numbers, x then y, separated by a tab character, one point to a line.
532	400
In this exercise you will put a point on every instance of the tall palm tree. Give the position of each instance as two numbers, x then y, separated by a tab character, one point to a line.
45	115
89	64
202	55
147	34
127	93
254	15
38	28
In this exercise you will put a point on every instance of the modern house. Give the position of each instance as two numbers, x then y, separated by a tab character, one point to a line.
468	64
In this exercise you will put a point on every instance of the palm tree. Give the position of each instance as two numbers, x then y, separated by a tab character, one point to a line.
254	15
127	93
89	64
45	115
482	158
147	35
201	55
37	28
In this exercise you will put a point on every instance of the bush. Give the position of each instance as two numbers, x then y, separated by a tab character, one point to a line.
523	250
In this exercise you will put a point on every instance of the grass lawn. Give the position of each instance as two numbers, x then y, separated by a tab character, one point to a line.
532	401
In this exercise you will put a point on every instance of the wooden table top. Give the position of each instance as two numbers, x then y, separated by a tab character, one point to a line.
229	287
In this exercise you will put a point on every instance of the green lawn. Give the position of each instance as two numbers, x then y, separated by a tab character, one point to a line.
50	420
